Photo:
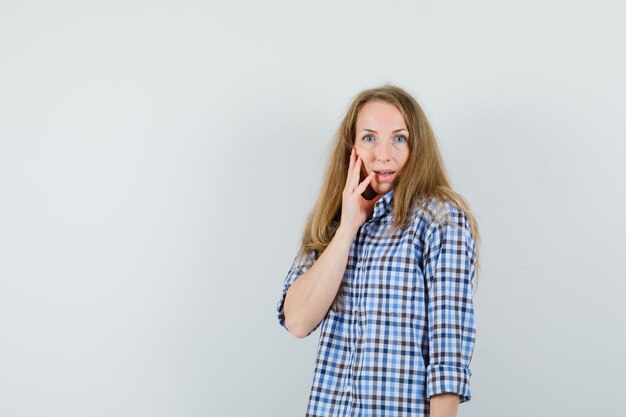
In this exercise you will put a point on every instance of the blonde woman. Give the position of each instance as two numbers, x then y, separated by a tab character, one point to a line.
387	267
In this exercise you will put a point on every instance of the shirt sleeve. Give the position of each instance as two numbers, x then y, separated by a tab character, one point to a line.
449	269
298	267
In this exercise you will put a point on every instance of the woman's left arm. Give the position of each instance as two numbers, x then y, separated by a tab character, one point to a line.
449	270
444	405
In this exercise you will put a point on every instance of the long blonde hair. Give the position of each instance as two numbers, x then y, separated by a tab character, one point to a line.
423	175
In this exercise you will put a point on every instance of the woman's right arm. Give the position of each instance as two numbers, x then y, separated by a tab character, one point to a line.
310	296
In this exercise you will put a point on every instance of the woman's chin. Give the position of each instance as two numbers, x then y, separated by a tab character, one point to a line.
382	188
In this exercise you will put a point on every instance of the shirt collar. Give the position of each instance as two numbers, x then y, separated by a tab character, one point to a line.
383	205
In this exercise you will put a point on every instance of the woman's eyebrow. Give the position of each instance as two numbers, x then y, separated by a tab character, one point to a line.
373	131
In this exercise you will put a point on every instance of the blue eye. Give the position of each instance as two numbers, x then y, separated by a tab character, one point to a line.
403	138
367	136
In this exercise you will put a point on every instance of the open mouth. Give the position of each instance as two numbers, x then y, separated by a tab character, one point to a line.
385	175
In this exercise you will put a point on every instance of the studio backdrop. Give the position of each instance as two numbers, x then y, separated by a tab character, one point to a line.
158	161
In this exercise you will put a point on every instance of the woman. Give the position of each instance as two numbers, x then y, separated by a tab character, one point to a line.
387	268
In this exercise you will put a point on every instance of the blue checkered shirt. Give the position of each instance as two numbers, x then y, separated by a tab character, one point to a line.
407	329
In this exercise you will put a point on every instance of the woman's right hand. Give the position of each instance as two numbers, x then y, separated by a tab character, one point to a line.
354	208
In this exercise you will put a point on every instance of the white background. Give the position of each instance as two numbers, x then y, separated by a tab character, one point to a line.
158	160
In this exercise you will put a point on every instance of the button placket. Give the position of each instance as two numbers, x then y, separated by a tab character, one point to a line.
356	357
358	286
349	377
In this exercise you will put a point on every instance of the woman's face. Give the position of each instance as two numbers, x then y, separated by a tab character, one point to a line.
382	143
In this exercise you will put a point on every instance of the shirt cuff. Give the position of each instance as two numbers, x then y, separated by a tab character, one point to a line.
448	379
280	309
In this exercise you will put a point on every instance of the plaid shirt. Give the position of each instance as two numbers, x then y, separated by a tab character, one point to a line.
407	331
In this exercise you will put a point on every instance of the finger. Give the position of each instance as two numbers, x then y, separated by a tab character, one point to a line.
361	188
356	174
350	166
352	154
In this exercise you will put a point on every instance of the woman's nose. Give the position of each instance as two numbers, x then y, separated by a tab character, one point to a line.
382	151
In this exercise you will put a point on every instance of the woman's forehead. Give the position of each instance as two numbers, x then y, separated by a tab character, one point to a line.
379	115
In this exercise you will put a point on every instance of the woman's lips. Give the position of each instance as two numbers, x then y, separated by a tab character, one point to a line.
385	176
